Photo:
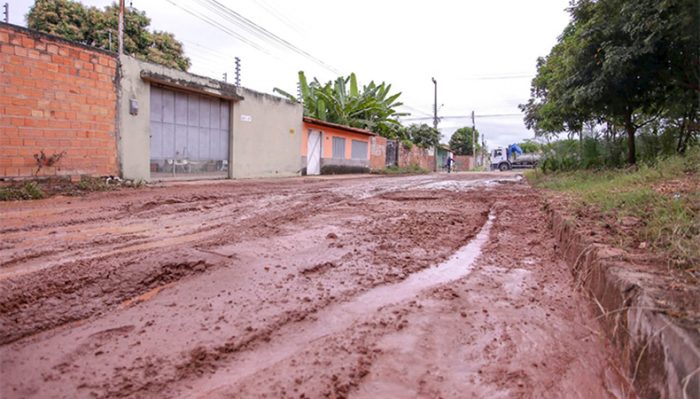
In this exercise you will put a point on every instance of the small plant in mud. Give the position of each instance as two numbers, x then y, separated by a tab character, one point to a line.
27	191
89	183
42	160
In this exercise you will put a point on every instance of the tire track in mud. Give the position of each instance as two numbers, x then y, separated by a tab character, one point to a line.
37	302
81	288
515	327
385	226
329	320
154	234
407	233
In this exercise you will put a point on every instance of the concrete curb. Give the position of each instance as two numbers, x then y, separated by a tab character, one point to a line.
660	356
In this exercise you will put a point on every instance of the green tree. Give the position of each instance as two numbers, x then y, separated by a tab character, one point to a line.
92	26
423	135
64	18
461	141
342	101
530	146
623	64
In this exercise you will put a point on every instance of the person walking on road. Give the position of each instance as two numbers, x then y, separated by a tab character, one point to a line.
450	164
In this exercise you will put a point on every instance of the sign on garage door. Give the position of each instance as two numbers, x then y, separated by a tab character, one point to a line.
189	134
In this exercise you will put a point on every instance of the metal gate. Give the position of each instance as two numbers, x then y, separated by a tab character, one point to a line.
313	153
392	152
189	134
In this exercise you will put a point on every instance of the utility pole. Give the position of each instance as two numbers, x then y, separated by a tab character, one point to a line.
121	27
225	76
238	71
6	12
473	139
435	107
435	124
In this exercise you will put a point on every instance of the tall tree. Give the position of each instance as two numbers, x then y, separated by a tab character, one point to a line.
624	63
463	140
95	27
423	135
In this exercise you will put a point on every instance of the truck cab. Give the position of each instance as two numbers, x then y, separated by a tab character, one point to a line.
499	159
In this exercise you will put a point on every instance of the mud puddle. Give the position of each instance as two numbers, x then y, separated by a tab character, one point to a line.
291	339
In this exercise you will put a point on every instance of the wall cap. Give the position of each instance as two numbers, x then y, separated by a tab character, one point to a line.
47	36
314	121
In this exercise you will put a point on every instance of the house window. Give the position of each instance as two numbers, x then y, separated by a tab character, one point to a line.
359	149
338	148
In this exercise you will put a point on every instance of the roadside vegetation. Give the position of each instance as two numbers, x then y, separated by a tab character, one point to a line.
622	84
615	111
655	207
44	188
403	170
26	191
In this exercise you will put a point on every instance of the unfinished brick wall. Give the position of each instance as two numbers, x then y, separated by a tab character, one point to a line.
59	97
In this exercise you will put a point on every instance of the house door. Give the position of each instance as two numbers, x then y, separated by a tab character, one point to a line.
189	134
313	153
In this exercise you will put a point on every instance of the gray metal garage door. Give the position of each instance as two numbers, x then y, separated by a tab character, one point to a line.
189	134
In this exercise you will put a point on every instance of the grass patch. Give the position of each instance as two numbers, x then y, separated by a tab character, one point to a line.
44	188
664	198
404	170
88	183
27	191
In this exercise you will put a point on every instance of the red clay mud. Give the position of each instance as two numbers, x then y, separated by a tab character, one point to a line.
295	288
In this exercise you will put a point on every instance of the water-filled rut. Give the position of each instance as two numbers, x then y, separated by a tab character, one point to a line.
295	337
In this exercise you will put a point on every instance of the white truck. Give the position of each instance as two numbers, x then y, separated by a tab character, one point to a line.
512	157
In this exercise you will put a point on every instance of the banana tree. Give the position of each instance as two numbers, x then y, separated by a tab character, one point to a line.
341	101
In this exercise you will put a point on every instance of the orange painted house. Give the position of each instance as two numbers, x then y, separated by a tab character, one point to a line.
329	148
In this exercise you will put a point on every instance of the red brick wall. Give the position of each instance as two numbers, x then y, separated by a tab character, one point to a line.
416	156
464	162
55	96
377	153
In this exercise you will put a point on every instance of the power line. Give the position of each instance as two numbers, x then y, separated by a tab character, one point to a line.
247	24
203	48
279	16
217	11
210	58
416	110
219	26
464	117
254	29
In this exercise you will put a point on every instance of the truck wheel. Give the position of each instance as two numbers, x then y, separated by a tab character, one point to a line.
503	167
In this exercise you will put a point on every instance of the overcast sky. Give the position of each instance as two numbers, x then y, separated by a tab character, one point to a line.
482	53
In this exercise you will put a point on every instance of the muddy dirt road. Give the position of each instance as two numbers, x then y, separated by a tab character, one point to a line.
436	286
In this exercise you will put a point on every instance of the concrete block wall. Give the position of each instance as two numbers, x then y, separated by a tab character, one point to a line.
56	96
267	136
